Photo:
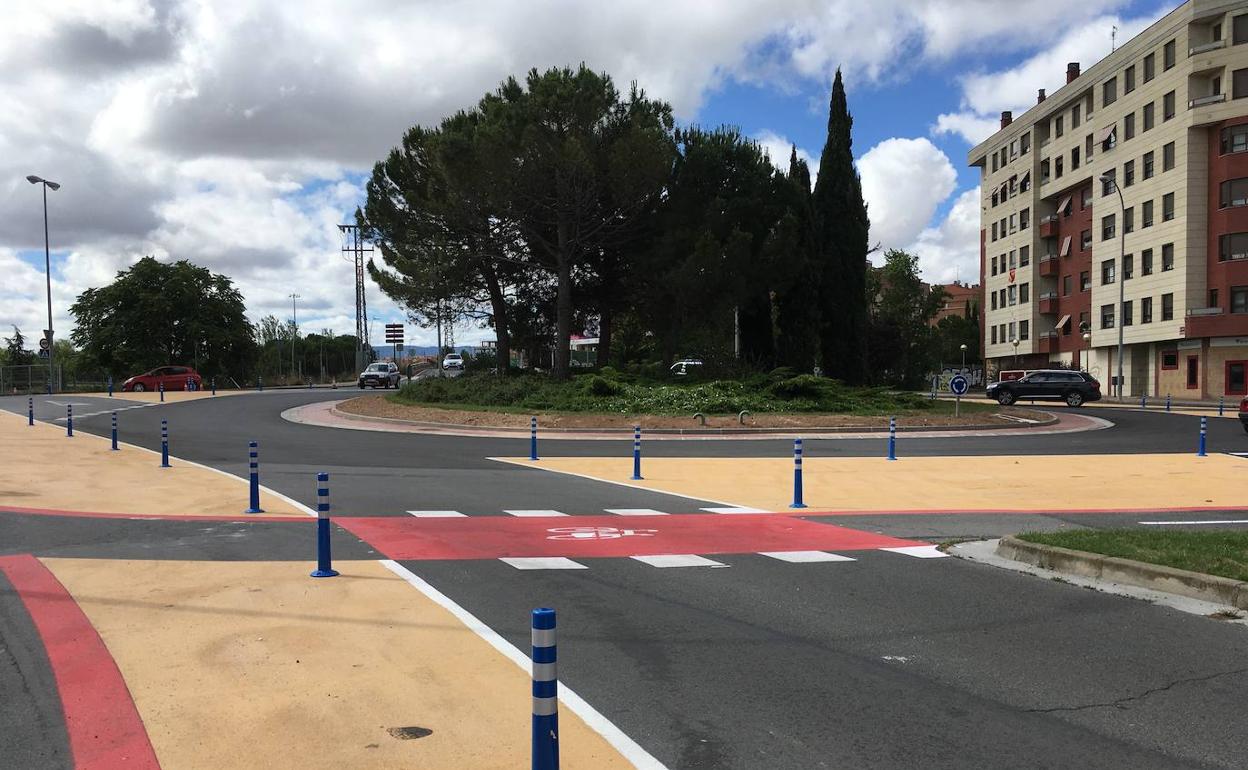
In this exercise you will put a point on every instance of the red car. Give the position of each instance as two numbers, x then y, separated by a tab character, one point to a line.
173	377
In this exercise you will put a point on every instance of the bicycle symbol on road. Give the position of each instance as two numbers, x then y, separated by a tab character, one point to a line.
596	533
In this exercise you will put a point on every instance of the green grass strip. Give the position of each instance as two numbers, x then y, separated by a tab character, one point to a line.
1223	553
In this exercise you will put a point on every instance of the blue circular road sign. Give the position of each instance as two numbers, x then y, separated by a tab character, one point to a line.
959	385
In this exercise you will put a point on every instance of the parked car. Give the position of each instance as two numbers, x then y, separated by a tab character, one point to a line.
453	361
1074	388
1243	412
381	374
686	367
173	378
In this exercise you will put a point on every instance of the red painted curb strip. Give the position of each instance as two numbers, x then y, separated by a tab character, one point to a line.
105	730
164	516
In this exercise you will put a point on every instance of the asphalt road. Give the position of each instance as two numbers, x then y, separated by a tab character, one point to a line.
887	661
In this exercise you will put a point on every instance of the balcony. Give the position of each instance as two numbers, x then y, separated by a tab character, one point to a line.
1047	343
1199	49
1049	226
1048	302
1204	100
1049	266
1212	322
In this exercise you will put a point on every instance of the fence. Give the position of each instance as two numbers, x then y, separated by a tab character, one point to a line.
26	380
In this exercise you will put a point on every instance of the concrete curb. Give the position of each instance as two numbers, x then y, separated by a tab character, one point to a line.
1194	585
623	432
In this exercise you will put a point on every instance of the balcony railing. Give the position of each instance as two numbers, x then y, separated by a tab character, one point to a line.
1213	46
1203	100
1048	295
1049	218
1205	311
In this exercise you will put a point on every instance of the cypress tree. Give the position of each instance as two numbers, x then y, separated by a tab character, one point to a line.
797	273
841	230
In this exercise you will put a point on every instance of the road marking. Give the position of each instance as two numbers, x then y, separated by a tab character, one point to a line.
436	514
804	557
919	551
634	511
106	411
678	560
1209	521
65	403
534	514
734	509
542	562
596	533
576	704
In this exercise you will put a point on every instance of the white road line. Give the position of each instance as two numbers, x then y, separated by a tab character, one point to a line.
534	514
919	551
590	715
436	514
804	557
107	411
734	509
542	562
634	512
1209	521
678	560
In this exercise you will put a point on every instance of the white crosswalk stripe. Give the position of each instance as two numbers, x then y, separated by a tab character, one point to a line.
542	562
734	509
678	560
919	551
804	557
635	512
436	514
534	514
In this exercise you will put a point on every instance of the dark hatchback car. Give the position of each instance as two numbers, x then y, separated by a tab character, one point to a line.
1056	384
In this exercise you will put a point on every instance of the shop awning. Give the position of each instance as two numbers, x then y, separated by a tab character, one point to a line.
1061	322
1065	251
1106	132
1062	206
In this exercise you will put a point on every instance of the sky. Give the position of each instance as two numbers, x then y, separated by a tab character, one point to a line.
238	133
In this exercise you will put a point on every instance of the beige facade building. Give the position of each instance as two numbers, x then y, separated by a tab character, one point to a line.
1165	117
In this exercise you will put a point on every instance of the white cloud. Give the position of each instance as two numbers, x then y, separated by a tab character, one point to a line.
949	251
780	150
903	182
969	126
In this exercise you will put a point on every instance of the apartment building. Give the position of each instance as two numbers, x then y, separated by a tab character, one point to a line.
959	300
1163	120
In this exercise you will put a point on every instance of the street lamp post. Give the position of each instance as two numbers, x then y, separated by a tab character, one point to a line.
47	264
1087	347
1015	341
963	346
294	332
1121	277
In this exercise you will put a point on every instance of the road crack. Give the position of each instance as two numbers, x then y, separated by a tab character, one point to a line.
1124	703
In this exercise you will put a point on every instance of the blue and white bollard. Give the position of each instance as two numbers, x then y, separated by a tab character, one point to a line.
69	420
892	438
636	453
164	443
110	386
114	431
533	438
253	473
30	411
190	384
259	383
1167	402
323	561
1143	401
1221	404
797	474
214	386
161	388
1204	427
545	691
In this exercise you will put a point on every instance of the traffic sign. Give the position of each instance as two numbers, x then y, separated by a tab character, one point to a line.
44	344
958	385
44	353
394	333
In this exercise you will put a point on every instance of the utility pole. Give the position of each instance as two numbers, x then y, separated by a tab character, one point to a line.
294	332
353	244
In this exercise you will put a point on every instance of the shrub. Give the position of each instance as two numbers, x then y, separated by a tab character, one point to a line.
801	386
598	386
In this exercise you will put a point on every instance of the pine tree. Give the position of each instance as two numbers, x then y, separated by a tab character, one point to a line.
841	231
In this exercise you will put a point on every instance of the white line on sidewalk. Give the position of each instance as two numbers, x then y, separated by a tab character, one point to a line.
804	557
678	560
1208	521
541	562
436	514
534	514
634	512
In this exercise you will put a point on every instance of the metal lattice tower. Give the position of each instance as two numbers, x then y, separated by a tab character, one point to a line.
354	248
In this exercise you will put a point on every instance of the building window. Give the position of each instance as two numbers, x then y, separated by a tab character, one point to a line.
1235	138
1146	214
1239	29
994	231
995	160
1128	79
1107	316
1107	227
1085	198
1057	126
1085	281
1065	285
1087	148
1024	144
1167	207
1044	170
1012	337
1013	259
1167	156
1167	56
1074	117
1107	183
1232	246
1146	310
994	300
1193	372
1128	173
994	199
1128	266
1167	106
1012	293
1170	359
1128	126
1109	92
1234	193
1057	167
1024	219
1013	149
1146	262
1013	223
994	335
1085	321
1128	220
1074	158
1150	117
1148	165
1239	299
1236	378
1024	330
1213	298
1024	256
1127	312
1024	293
1167	307
1107	272
1167	257
1085	240
1239	84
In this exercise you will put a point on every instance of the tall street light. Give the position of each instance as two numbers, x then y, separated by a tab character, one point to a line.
47	263
1121	271
294	316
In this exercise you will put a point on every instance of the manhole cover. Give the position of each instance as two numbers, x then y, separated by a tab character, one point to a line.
409	733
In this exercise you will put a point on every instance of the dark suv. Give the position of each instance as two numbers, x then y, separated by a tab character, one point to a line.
1059	384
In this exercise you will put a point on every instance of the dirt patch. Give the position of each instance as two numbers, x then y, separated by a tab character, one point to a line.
379	406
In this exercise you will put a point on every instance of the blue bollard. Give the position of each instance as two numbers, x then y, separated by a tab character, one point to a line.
1143	401
1167	402
545	691
253	473
892	438
214	386
533	439
110	386
259	383
323	561
1204	427
30	411
69	420
636	453
114	431
797	474
164	443
161	388
1221	404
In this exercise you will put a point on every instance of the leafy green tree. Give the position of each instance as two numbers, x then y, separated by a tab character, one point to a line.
841	231
15	352
796	274
900	322
156	313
